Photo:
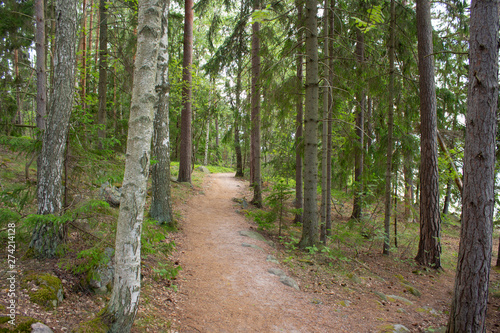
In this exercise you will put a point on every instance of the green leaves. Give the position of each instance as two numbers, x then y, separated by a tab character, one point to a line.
261	15
375	17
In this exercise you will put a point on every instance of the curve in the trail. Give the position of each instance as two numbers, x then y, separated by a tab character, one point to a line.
228	287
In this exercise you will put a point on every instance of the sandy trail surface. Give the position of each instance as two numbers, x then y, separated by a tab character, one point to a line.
227	286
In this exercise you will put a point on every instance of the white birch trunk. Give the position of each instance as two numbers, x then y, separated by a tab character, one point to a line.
123	305
161	209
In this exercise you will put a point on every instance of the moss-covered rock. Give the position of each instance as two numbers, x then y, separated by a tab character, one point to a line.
100	278
48	292
392	328
411	289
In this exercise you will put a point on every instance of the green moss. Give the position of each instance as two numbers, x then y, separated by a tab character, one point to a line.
50	290
30	254
95	325
23	324
412	290
385	328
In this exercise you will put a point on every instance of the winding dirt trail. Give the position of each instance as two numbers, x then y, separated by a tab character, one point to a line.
226	287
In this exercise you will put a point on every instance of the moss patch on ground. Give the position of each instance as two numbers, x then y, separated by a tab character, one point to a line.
50	291
22	324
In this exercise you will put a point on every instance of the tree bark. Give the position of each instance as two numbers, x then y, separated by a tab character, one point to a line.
237	143
103	71
331	73
47	237
390	126
255	115
469	304
205	160
498	254
161	208
310	235
429	247
357	210
41	74
122	307
186	149
324	139
299	185
83	62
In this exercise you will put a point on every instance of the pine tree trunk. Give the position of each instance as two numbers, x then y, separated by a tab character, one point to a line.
83	43
469	304
447	197
47	237
408	175
299	185
324	139
390	123
103	71
255	115
328	222
310	235
186	149
122	307
498	255
161	208
237	143
205	159
41	74
359	150
89	48
429	247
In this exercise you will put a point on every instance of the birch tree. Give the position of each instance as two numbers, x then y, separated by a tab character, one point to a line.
161	208
123	305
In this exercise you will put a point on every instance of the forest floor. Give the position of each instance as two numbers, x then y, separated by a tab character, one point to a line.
225	284
227	287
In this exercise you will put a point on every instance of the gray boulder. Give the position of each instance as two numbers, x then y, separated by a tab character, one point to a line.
100	278
203	169
40	328
111	194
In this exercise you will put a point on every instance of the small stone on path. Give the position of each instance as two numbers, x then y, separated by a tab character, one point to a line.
254	235
271	258
276	271
252	246
288	281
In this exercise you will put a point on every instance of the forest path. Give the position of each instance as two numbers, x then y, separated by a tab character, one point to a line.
226	287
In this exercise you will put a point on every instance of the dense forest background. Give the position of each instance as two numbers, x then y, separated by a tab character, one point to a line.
321	107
